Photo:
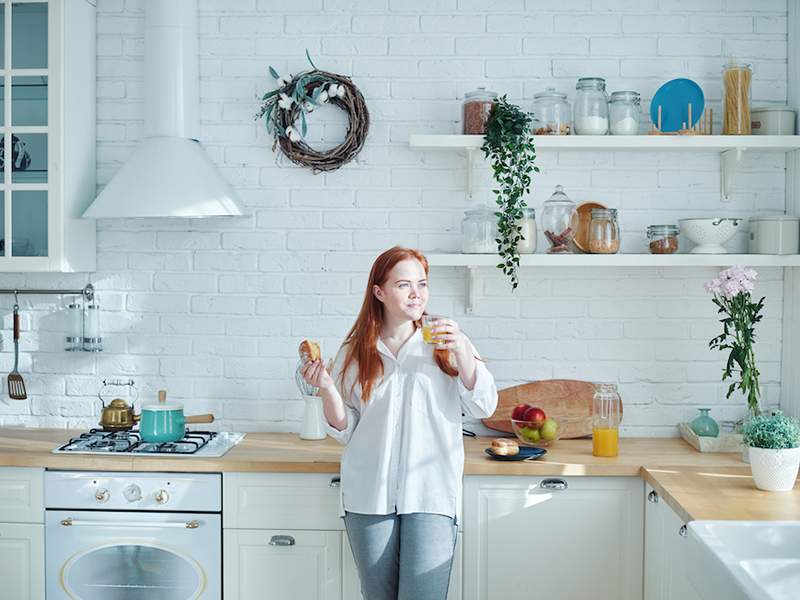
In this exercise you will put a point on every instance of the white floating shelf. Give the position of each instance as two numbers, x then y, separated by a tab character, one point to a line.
619	260
473	261
699	143
731	148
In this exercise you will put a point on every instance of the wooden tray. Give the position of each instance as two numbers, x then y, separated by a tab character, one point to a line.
725	442
558	398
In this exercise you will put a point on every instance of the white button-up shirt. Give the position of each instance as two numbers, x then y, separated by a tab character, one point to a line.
405	451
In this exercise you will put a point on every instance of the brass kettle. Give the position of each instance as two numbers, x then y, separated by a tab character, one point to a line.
118	416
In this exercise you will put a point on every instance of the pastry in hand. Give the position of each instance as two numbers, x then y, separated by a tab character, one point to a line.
309	351
505	446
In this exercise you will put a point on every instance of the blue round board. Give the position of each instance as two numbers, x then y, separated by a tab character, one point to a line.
674	98
525	453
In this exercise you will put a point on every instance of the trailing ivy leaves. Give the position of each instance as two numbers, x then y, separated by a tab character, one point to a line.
508	143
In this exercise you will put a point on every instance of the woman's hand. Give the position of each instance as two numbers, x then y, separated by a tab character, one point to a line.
448	335
317	375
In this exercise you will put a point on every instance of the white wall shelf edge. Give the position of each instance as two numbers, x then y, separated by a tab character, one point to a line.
731	148
472	262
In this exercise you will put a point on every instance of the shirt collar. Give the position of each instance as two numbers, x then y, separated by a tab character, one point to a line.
414	340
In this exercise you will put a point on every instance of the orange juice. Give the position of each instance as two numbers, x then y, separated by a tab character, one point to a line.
605	442
427	334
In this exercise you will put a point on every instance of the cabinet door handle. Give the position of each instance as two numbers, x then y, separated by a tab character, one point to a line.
653	497
553	484
336	481
682	531
281	540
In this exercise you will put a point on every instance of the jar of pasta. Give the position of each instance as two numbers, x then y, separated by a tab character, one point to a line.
604	231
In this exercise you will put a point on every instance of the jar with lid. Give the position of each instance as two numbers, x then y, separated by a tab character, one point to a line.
551	113
559	221
663	239
527	229
623	113
591	106
476	108
736	80
479	231
604	231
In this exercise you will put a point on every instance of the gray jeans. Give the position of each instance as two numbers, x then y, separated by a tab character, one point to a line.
402	557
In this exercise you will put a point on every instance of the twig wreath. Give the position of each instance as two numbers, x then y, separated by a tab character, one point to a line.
296	97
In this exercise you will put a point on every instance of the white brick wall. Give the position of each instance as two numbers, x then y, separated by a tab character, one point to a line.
213	310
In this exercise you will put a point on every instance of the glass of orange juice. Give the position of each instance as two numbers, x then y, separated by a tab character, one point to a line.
606	416
428	323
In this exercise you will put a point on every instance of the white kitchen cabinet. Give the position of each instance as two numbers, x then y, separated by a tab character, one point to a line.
351	588
22	560
559	538
665	552
282	563
22	533
47	127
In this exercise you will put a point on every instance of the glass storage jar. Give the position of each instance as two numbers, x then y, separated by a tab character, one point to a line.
604	231
527	226
476	108
551	113
624	113
591	106
559	221
663	239
606	417
479	231
736	80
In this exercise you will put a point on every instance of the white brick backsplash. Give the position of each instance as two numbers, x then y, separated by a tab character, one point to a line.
212	310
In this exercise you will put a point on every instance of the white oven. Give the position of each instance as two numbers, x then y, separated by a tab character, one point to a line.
118	536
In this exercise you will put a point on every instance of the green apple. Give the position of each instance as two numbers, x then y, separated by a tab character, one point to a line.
549	430
532	435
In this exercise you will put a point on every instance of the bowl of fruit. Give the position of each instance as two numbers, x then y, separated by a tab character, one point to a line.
533	427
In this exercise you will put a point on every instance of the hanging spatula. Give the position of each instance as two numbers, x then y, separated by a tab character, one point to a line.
16	386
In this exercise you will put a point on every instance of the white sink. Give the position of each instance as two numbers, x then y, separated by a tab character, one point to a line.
747	560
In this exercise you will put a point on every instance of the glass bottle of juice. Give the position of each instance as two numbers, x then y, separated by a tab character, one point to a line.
606	416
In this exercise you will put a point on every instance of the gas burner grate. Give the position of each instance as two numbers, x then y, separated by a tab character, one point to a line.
100	441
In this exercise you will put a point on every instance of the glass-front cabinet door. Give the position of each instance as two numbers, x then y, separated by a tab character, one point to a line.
24	154
46	99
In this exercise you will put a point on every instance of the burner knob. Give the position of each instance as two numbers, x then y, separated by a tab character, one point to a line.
162	497
132	493
102	495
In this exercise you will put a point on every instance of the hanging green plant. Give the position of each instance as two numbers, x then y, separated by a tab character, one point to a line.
508	142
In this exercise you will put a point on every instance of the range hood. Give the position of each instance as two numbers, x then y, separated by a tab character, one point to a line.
169	174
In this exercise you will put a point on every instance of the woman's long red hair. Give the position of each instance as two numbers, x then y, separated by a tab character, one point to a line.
362	339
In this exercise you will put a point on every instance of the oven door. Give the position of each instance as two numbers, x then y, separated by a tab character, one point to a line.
132	555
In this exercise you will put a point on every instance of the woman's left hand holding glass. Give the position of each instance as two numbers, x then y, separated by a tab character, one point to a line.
448	336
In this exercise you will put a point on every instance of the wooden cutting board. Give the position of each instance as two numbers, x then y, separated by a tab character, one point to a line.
558	398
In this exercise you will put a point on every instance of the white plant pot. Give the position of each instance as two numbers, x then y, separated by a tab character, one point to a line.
774	470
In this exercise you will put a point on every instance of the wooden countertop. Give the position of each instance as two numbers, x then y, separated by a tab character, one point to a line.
694	484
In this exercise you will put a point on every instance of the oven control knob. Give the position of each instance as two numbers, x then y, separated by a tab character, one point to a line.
162	497
132	493
102	495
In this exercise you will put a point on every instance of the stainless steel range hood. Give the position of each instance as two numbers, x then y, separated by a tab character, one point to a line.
169	174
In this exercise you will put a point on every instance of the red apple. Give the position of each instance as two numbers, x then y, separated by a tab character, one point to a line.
535	417
519	411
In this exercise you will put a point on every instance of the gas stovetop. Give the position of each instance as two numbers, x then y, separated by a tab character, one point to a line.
208	444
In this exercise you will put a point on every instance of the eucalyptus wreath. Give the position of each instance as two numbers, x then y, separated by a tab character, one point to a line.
295	98
508	142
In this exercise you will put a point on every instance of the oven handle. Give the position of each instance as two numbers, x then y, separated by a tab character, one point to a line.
70	522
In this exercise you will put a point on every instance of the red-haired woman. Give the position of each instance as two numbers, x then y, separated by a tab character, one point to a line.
397	403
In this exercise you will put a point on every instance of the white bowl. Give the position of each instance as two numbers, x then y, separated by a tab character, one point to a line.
709	234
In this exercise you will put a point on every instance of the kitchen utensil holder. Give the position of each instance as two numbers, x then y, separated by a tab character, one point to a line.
84	333
704	125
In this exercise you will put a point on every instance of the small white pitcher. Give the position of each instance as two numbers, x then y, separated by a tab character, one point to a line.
313	419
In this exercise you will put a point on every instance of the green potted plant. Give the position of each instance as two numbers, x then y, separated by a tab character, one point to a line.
774	448
508	143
